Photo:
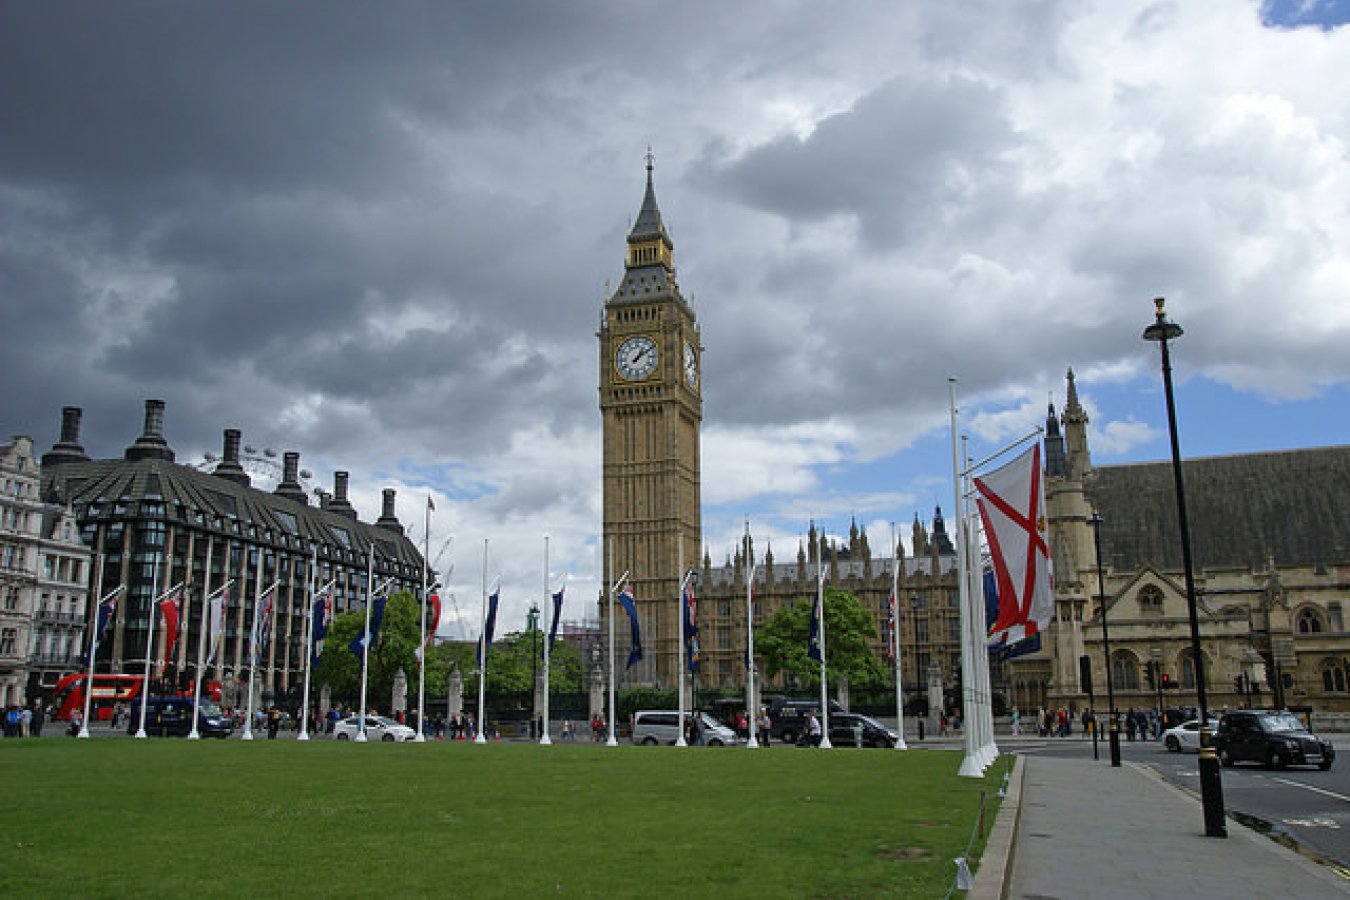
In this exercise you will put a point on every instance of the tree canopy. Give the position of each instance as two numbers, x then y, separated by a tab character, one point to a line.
782	641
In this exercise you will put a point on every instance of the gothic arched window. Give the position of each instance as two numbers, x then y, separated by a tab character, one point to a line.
1150	600
1309	621
1124	672
1334	676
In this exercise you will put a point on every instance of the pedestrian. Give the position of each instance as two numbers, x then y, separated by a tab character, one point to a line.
813	732
1131	724
273	723
765	726
76	718
39	716
1016	721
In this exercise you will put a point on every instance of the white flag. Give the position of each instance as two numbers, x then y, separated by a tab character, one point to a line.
1012	507
215	622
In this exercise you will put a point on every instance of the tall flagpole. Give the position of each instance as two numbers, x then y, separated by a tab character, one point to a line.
482	651
970	764
308	649
149	643
97	595
824	698
548	602
611	742
682	666
253	639
422	663
895	637
752	706
194	734
982	714
365	642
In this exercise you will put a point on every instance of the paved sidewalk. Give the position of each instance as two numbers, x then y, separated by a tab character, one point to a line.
1088	831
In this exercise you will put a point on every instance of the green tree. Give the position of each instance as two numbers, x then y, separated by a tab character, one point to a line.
394	648
510	666
782	641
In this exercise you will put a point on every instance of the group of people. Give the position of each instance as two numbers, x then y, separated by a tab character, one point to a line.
26	721
1140	724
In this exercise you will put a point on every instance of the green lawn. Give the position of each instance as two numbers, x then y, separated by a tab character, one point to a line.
171	818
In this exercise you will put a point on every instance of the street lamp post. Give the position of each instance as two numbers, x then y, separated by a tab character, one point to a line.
1114	723
1211	787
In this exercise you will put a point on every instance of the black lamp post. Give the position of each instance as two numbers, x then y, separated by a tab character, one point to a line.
1211	787
1114	726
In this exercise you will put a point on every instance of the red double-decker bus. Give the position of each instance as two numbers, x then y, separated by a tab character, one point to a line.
109	690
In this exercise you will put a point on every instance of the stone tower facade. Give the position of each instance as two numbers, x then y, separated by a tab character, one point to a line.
651	409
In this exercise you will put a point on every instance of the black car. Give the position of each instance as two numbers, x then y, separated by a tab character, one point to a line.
172	716
1275	738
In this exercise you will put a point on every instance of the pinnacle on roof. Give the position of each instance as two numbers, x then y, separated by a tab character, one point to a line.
649	217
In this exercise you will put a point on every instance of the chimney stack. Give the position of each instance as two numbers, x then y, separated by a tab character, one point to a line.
290	487
229	467
339	503
67	449
387	518
151	444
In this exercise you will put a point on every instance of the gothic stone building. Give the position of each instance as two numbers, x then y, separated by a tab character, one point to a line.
1270	535
145	512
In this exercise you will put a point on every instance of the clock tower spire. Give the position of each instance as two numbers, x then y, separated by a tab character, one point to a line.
651	409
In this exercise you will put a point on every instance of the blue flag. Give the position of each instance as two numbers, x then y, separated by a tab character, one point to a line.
813	641
358	644
626	601
323	617
557	615
488	628
691	628
105	613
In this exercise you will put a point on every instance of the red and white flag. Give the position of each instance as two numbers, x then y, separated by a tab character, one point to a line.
171	608
1012	507
433	622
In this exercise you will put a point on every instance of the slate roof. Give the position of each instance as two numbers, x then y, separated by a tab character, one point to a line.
100	488
1293	505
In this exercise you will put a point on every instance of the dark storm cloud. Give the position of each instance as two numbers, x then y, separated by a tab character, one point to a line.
905	155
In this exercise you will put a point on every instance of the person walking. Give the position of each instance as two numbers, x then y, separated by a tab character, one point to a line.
1016	721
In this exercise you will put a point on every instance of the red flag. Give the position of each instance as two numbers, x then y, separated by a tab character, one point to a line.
170	608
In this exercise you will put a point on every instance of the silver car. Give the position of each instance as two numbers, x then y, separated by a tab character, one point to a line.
662	726
1186	736
378	728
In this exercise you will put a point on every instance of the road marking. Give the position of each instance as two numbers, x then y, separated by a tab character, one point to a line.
1311	788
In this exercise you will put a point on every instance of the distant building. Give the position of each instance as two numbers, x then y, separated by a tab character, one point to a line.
1270	536
44	573
154	522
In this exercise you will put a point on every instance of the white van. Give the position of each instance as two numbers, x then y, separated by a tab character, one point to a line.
652	726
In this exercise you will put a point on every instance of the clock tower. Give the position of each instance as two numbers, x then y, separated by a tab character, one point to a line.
651	407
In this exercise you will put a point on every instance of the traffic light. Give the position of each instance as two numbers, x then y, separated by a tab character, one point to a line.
1148	674
1168	683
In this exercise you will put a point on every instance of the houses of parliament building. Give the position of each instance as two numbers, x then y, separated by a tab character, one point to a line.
1271	538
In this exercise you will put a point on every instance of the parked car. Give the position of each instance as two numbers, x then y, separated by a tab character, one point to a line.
1275	738
852	730
789	715
662	726
378	728
173	716
1186	736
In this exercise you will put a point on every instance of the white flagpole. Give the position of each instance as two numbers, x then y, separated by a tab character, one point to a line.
422	662
979	637
682	666
751	706
308	649
970	764
482	650
93	647
253	638
895	637
611	742
548	605
194	734
824	698
365	643
149	642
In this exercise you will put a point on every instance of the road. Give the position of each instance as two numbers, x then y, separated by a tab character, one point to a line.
1312	806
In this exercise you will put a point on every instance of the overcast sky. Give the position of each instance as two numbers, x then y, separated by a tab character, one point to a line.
381	234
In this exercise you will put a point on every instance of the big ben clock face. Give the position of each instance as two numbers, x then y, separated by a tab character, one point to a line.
690	366
636	358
